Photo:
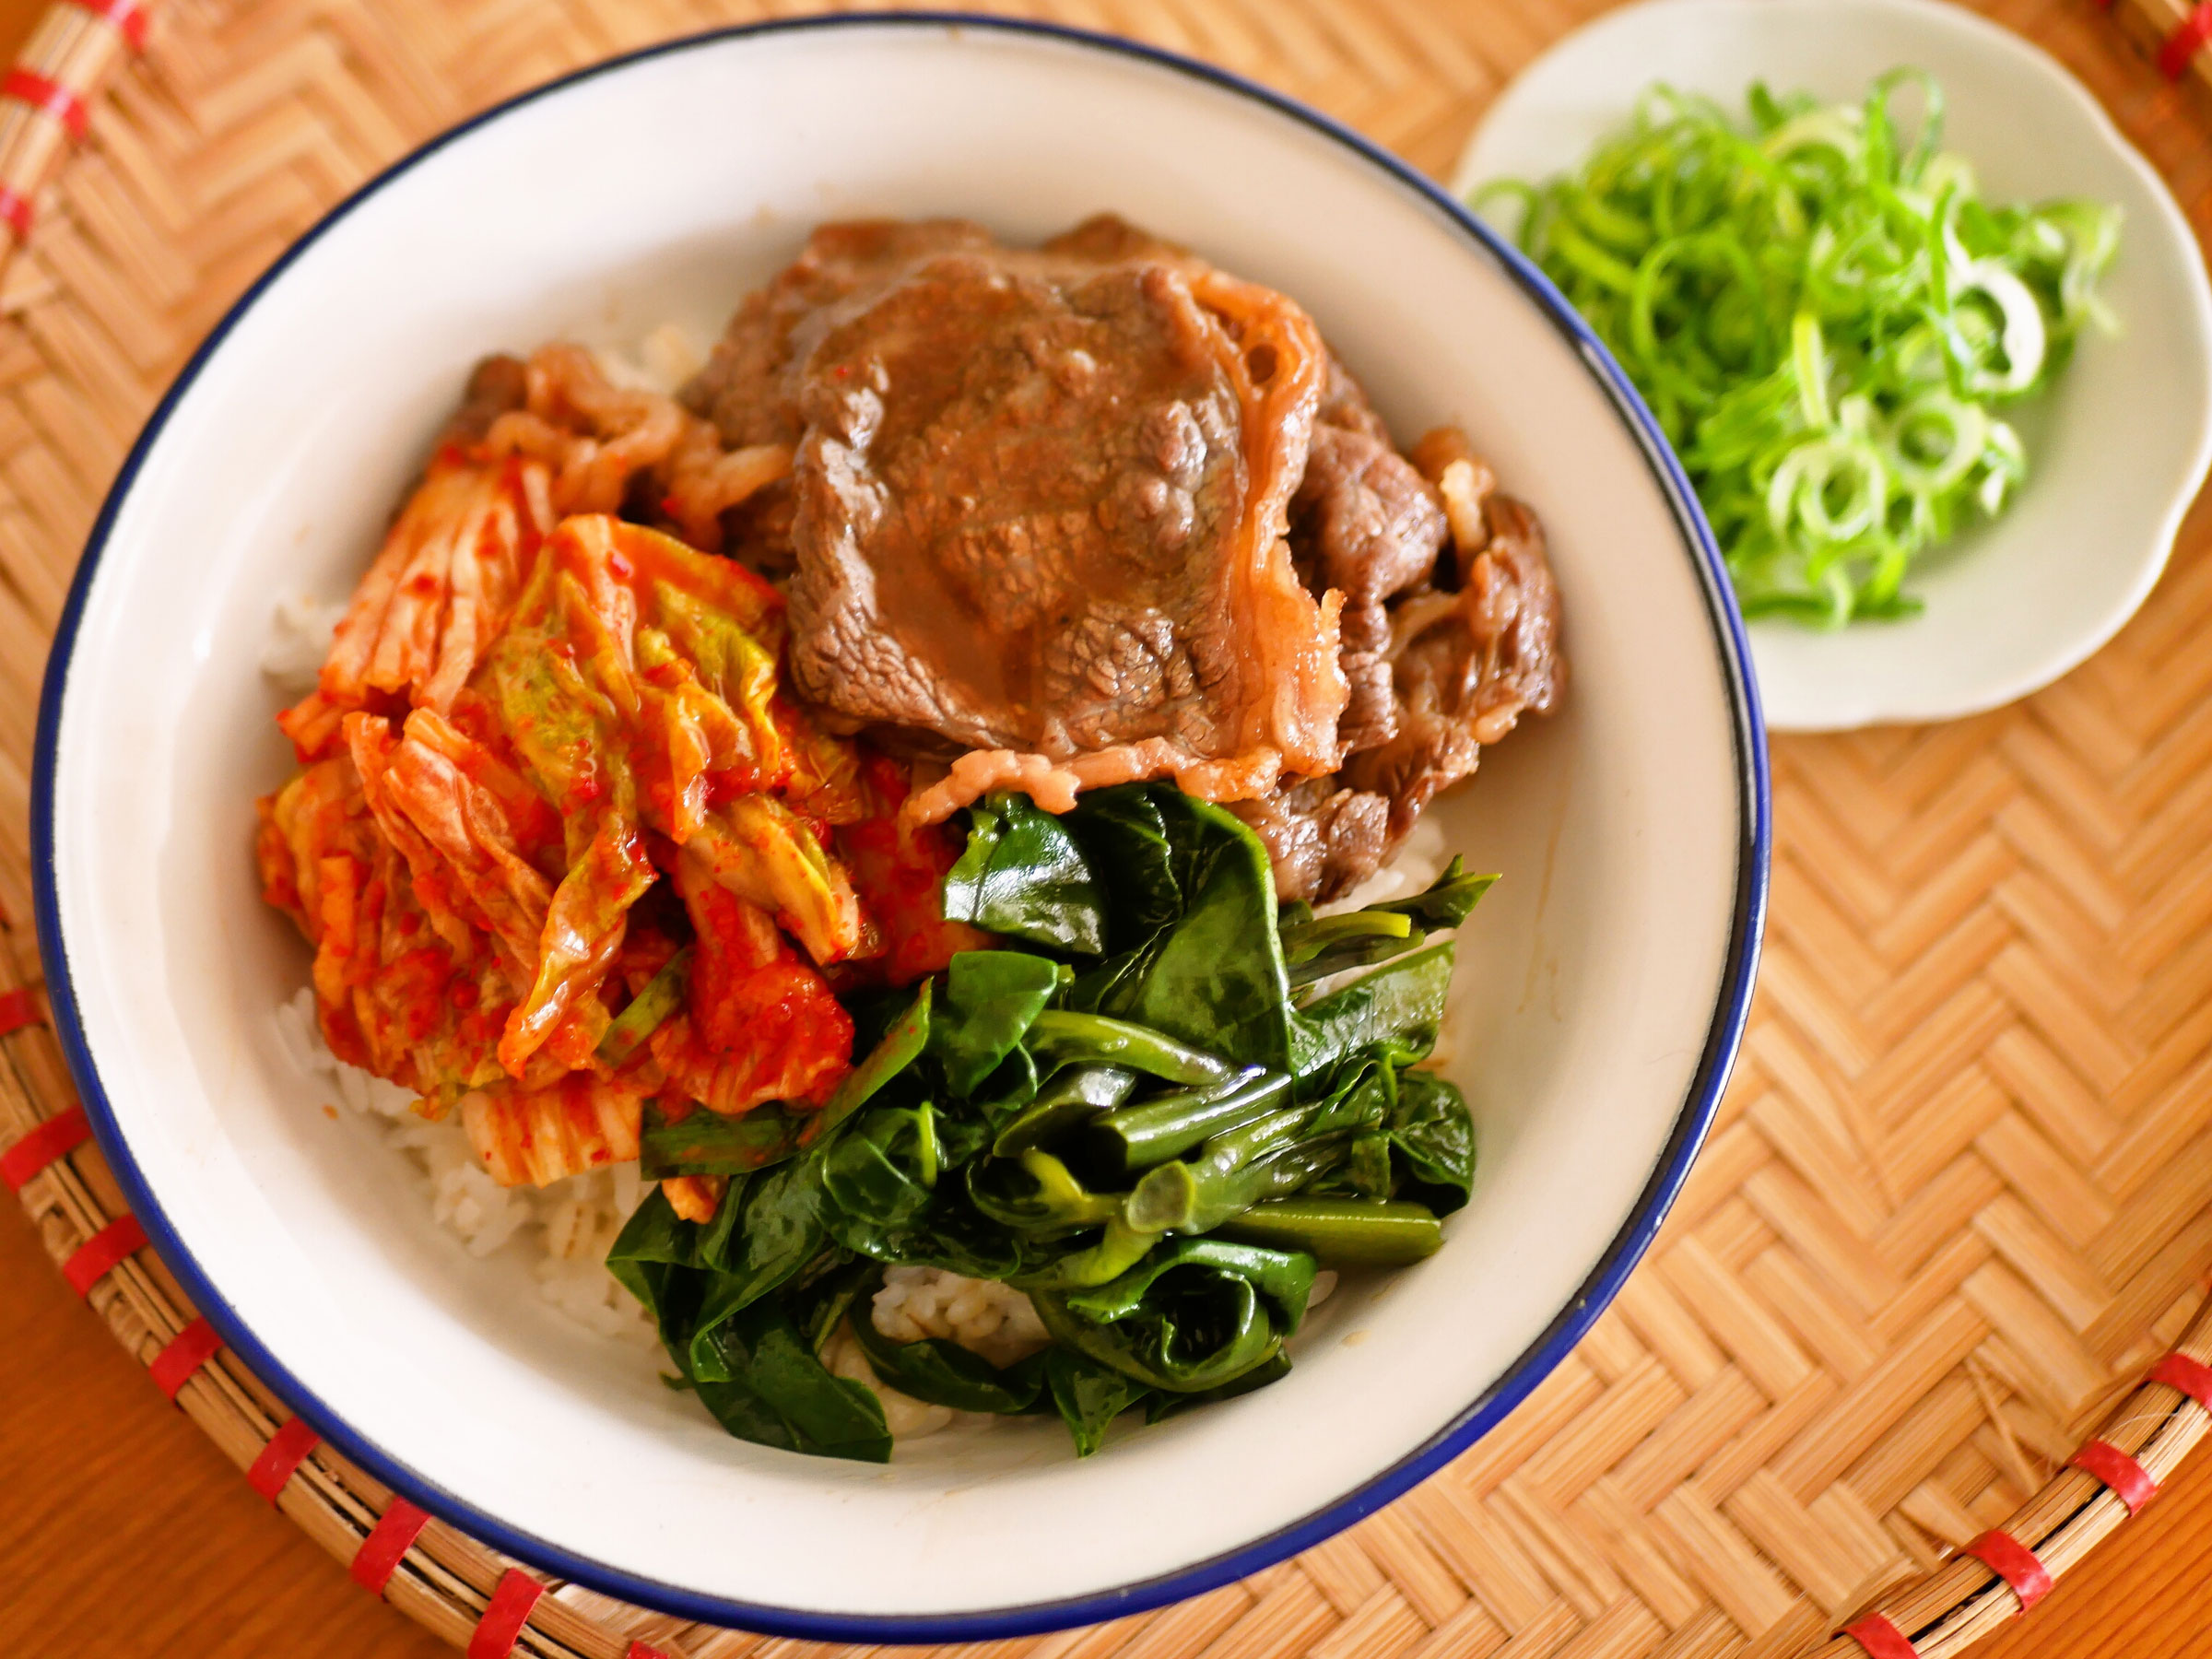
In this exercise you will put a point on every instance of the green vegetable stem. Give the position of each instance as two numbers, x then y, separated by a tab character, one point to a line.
1341	1232
1058	1038
648	1011
1075	1095
1136	1137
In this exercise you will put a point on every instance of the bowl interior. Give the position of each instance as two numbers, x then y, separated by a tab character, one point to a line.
2115	449
660	189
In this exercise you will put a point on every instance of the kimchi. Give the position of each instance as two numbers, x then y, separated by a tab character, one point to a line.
549	776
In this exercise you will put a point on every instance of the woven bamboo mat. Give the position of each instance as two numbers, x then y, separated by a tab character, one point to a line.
1957	1201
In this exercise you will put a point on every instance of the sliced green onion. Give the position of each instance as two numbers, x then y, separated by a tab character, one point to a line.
2023	336
1964	431
1826	318
648	1010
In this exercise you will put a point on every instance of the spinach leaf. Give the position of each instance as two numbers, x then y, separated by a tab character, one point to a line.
653	1236
818	1299
955	1236
1281	1278
774	1226
899	1047
1124	839
883	1191
1364	1098
655	1258
735	1343
1444	902
1397	1009
706	1143
881	1172
1088	1395
991	997
1023	874
772	1389
1433	1142
1367	1167
1213	976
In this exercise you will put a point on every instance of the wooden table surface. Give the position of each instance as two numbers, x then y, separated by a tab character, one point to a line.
124	1533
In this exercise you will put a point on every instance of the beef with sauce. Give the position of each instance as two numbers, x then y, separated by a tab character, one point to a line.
1039	498
1096	511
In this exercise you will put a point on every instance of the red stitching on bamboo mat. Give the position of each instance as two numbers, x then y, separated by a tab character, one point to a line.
48	96
16	212
638	1650
18	1008
1881	1639
2129	1480
2182	43
392	1536
2192	1377
129	17
286	1450
2015	1563
48	1144
98	1254
188	1351
503	1619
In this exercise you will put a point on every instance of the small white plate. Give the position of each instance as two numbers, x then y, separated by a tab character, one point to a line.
2116	449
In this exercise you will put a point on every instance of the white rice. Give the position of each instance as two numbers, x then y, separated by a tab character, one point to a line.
993	1320
299	640
663	361
566	1229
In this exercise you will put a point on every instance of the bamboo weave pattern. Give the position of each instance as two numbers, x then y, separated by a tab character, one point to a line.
1957	1201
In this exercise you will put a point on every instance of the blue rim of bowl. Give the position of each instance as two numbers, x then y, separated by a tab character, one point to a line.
1723	1036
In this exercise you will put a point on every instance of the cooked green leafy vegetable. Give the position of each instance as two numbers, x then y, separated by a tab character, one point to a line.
1022	875
706	1143
1129	1117
1827	319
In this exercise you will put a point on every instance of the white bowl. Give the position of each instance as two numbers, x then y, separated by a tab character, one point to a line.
1603	988
2116	449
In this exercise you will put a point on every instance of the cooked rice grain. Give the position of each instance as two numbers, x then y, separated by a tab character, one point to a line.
568	1225
982	1315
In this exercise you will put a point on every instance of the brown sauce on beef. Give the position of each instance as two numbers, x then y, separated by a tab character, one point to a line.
1098	509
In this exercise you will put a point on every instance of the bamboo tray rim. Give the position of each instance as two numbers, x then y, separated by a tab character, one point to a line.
448	1583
